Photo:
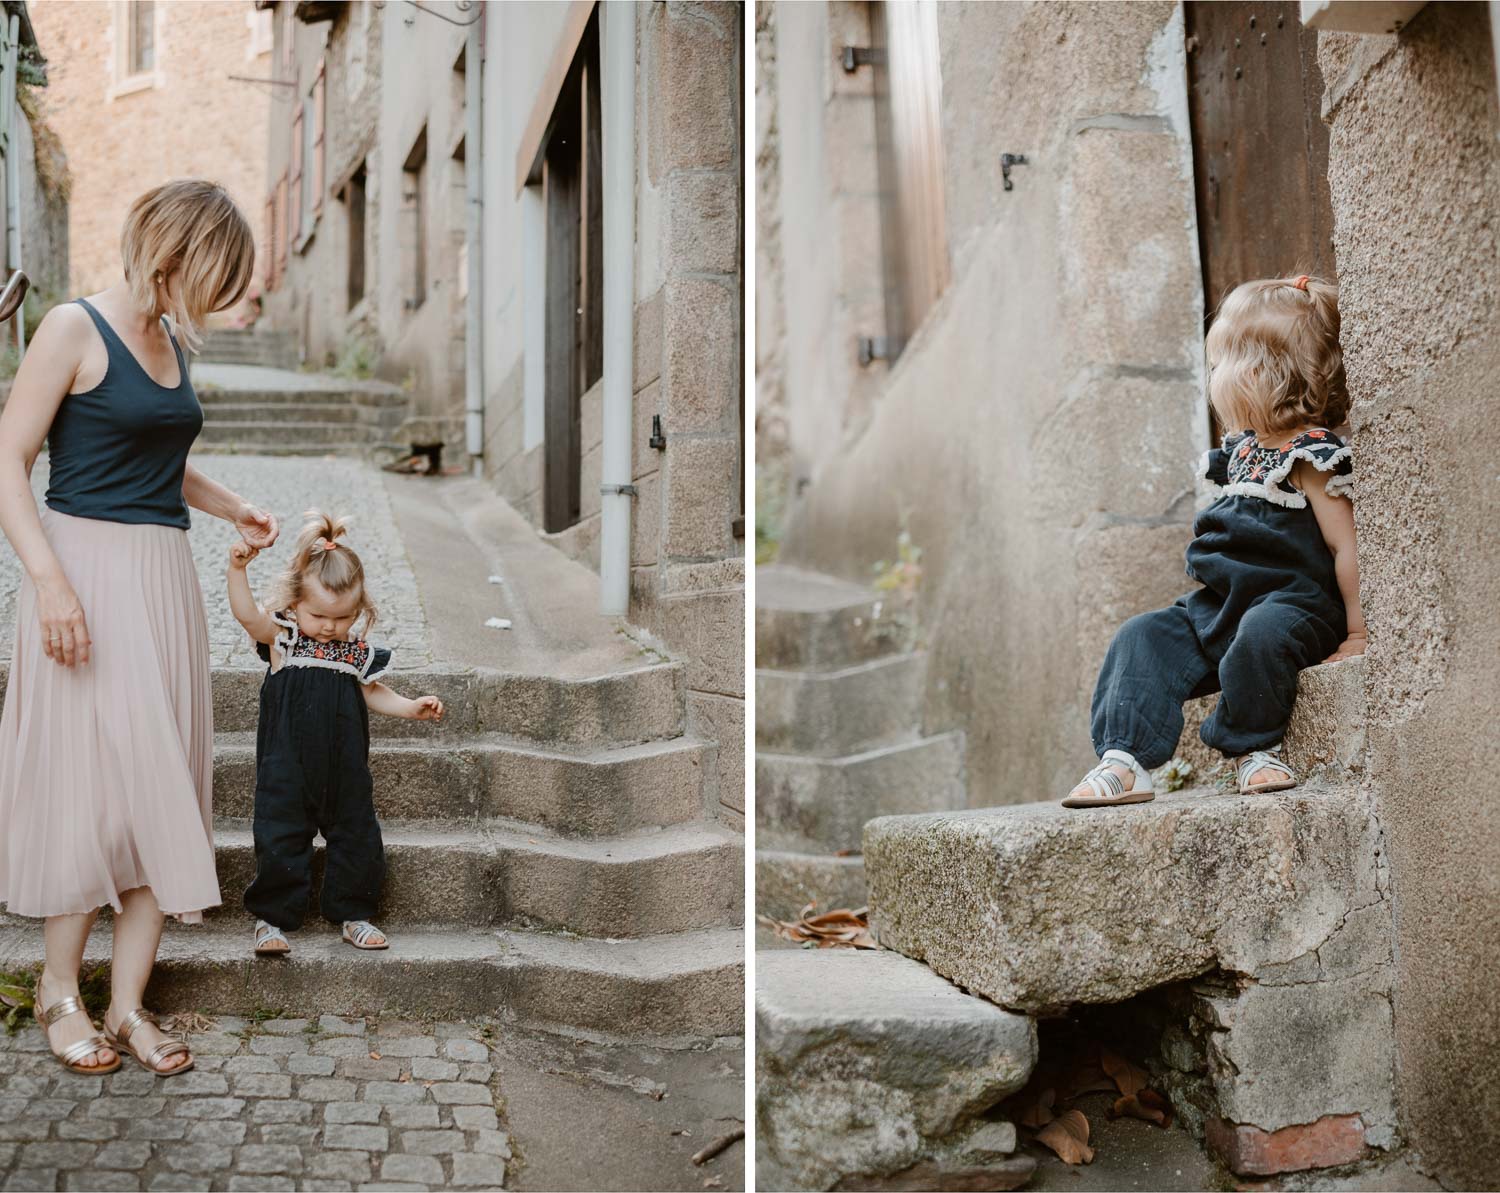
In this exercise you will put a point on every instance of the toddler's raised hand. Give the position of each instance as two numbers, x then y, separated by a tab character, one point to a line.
241	554
429	708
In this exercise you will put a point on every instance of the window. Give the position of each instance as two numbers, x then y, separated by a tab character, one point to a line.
354	204
414	221
909	151
142	34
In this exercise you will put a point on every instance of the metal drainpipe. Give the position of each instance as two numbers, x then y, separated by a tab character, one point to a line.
474	244
13	167
618	103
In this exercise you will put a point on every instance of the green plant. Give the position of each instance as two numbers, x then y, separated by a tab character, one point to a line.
18	994
51	162
1172	776
770	513
902	577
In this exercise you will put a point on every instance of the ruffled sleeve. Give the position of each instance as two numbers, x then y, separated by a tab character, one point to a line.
285	640
1213	469
1326	452
377	662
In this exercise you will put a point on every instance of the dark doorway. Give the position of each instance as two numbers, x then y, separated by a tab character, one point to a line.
1260	147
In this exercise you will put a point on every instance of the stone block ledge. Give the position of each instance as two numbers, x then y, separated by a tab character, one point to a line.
1038	907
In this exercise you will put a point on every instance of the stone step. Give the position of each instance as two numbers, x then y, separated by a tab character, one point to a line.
488	876
820	805
378	450
212	395
1039	907
809	620
290	413
603	792
683	984
620	707
787	882
834	713
869	1066
273	435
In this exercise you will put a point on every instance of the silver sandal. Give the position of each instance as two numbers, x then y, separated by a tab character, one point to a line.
270	941
360	933
1258	760
71	1057
1108	789
119	1040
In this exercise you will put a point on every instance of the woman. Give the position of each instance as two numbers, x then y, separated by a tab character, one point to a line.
106	740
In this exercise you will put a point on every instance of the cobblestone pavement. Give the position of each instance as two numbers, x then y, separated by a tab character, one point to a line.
286	486
328	1104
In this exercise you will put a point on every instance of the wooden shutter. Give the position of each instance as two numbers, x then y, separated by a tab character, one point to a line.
281	225
319	126
270	248
296	187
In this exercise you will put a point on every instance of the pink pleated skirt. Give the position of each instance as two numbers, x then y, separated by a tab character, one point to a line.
106	768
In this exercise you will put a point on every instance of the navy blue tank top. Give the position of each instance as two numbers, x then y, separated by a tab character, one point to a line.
118	452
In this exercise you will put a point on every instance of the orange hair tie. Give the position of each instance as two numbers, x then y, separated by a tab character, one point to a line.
1301	283
327	544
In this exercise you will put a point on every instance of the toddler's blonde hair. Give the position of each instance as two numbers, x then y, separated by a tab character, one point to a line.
1275	358
193	226
339	570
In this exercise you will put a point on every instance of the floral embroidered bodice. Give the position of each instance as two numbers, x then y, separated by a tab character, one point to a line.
356	657
1245	468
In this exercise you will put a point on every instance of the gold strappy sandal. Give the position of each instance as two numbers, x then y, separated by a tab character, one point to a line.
119	1039
70	1056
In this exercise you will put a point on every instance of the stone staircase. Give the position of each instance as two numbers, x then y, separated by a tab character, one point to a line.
838	737
550	856
250	346
1255	933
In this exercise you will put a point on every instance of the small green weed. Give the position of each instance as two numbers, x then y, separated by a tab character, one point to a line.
18	994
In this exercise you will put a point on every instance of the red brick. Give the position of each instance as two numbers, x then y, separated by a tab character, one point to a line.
1249	1151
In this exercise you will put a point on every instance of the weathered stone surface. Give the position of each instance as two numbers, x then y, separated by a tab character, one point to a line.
805	619
866	1059
787	882
1039	907
832	713
1012	1172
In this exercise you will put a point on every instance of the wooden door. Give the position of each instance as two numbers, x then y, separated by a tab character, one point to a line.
1260	147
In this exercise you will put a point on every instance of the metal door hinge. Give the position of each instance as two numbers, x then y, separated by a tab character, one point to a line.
854	57
1007	160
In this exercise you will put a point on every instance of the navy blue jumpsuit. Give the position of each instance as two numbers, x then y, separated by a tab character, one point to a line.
312	774
1269	605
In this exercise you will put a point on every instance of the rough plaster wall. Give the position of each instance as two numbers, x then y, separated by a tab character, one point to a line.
1415	180
771	444
44	223
1040	433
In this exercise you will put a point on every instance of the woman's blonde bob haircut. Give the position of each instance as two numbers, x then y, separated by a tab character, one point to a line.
1274	354
193	227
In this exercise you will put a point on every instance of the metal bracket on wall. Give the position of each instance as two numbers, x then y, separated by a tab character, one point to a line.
873	348
854	57
657	440
612	490
1007	160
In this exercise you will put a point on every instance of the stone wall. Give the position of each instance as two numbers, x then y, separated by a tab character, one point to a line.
687	564
1039	434
188	119
1414	175
44	217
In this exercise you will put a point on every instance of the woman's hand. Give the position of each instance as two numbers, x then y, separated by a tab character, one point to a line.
240	554
1352	645
427	708
256	527
65	634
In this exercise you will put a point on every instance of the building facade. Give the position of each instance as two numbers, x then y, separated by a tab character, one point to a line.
1004	358
142	92
371	187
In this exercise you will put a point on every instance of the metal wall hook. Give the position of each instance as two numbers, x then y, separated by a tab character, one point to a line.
1007	160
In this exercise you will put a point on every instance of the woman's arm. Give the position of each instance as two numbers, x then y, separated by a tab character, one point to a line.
256	526
379	698
257	621
47	373
1335	517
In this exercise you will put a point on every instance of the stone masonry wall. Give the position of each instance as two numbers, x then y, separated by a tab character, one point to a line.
191	121
1414	175
1038	437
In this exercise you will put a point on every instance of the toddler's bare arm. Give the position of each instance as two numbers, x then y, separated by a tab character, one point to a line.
1335	517
379	698
257	621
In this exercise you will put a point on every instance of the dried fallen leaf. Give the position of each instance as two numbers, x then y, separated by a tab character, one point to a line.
846	853
1089	1079
1068	1136
1038	1111
841	928
374	1056
405	1076
1127	1077
1147	1105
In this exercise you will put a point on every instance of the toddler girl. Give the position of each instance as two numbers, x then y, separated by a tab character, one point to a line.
1274	554
312	748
